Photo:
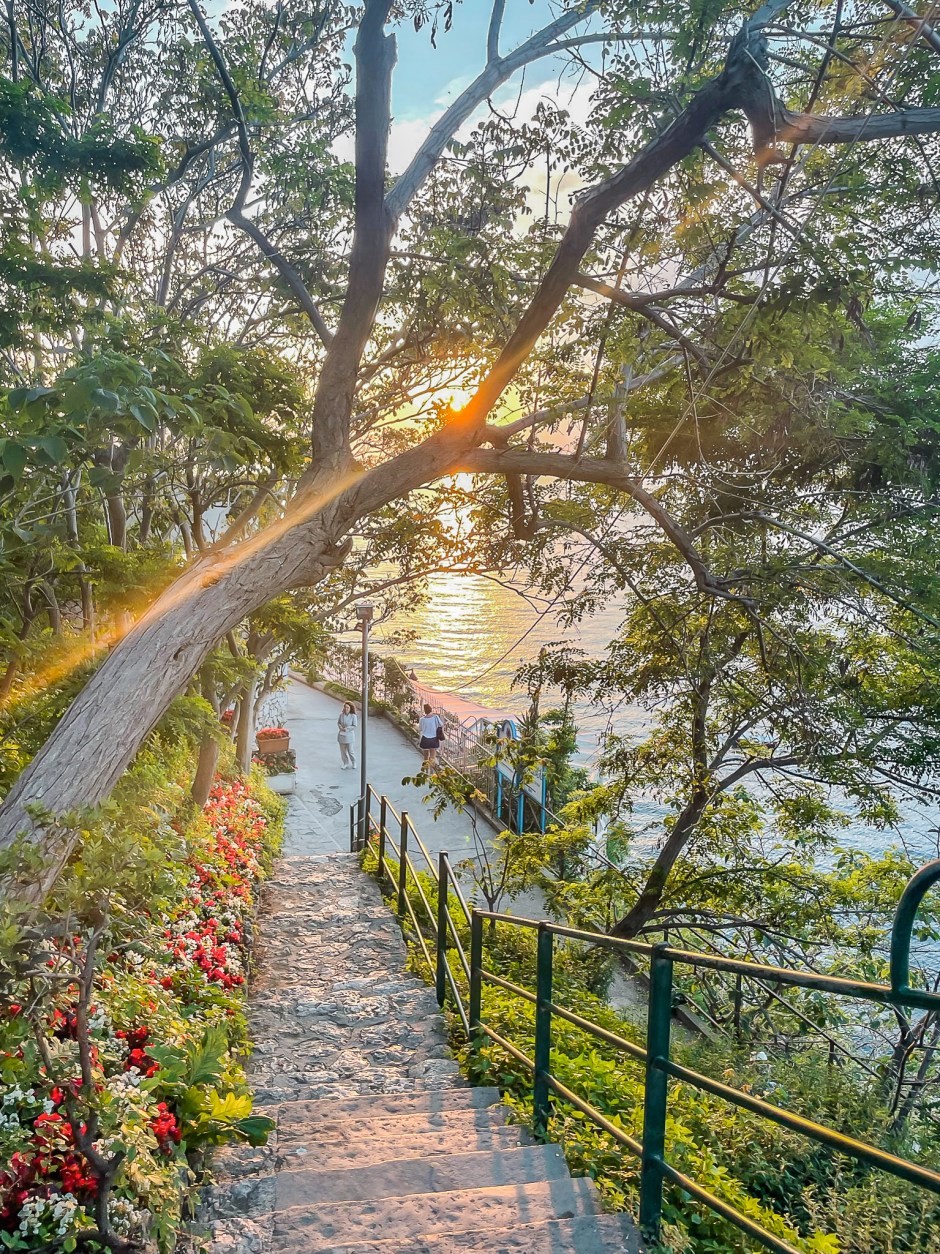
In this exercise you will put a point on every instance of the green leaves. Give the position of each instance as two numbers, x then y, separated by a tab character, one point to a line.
34	137
14	458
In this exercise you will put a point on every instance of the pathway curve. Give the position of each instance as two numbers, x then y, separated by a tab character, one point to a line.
318	809
380	1147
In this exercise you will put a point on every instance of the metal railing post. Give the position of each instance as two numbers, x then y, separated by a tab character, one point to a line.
917	888
403	865
383	820
364	830
659	1023
541	1100
441	972
352	828
476	979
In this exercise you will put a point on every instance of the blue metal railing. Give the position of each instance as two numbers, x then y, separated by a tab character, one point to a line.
372	831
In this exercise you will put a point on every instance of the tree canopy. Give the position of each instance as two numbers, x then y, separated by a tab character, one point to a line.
710	363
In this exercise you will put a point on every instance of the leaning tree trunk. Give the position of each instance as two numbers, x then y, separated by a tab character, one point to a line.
106	724
110	718
646	905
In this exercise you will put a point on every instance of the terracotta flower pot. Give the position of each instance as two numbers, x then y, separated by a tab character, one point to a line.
273	744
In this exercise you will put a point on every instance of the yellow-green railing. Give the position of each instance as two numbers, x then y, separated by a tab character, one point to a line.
374	824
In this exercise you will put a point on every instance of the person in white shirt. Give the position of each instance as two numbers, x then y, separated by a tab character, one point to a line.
346	736
431	733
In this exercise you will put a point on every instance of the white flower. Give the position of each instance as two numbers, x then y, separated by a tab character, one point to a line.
39	1212
125	1216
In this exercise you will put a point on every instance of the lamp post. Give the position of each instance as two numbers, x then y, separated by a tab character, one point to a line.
364	613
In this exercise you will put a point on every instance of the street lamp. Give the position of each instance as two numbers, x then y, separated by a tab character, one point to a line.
364	614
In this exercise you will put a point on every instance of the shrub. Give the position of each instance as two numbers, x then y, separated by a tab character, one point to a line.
122	1022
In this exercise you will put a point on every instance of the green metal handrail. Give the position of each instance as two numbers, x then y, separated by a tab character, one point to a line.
917	888
655	1171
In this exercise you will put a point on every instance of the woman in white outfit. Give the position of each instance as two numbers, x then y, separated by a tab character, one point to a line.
347	724
431	733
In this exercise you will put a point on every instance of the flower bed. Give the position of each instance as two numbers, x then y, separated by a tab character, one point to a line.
276	763
120	1044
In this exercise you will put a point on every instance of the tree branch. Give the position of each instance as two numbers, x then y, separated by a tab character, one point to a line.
372	233
287	272
492	34
494	74
821	546
805	128
236	214
643	307
914	20
611	474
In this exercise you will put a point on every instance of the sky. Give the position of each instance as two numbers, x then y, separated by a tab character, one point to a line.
426	76
426	80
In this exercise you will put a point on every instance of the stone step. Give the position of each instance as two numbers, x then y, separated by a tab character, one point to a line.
241	1192
331	1225
295	1125
397	1119
401	1177
586	1234
344	1080
302	1188
384	1105
314	1154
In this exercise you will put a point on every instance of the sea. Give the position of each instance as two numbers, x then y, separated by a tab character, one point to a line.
473	634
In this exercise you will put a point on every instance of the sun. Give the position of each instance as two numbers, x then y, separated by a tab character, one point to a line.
452	397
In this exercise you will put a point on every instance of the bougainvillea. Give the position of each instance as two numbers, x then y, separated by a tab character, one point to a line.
120	1045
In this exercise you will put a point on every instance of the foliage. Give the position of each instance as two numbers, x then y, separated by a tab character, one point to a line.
122	1023
798	1190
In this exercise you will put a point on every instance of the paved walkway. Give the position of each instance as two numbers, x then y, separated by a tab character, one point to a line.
318	810
380	1147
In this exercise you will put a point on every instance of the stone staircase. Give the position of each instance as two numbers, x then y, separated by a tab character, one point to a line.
380	1145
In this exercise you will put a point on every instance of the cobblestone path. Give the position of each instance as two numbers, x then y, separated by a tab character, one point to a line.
380	1146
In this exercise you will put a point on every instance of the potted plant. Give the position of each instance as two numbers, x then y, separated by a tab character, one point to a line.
272	740
280	768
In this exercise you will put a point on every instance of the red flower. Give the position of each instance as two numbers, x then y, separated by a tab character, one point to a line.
165	1128
65	1025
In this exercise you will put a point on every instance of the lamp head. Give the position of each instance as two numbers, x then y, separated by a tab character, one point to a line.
365	611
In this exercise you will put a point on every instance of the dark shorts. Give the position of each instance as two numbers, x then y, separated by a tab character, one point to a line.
427	742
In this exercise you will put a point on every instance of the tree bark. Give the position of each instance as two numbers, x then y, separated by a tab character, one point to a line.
117	520
8	679
245	727
209	745
205	769
371	243
88	605
52	604
106	724
648	901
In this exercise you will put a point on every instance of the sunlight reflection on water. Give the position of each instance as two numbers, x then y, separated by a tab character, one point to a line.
474	633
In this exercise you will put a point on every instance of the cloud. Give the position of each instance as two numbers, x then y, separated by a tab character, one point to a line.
409	132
